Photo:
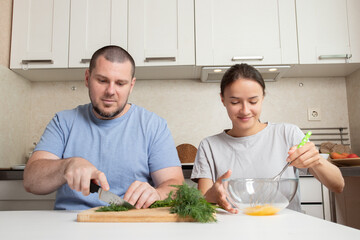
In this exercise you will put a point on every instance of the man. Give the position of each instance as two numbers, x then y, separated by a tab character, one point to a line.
119	145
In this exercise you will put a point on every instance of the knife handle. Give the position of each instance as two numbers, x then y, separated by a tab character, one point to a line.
94	187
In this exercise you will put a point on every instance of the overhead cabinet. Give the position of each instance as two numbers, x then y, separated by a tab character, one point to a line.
40	34
161	32
255	32
56	38
95	24
328	31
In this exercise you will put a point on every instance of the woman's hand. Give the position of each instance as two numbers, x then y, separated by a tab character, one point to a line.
306	156
217	194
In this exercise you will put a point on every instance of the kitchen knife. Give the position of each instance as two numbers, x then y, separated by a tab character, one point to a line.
108	196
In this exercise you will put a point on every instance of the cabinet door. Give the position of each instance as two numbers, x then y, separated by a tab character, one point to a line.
40	34
313	210
95	24
161	32
14	197
353	7
310	190
256	32
323	31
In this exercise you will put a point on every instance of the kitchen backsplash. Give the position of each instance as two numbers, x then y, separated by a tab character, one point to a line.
192	109
15	99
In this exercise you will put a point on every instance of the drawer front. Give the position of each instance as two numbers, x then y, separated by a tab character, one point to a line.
14	190
310	190
315	210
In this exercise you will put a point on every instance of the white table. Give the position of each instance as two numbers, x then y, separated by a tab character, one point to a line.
62	225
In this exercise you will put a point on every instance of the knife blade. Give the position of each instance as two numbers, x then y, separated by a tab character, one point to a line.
109	197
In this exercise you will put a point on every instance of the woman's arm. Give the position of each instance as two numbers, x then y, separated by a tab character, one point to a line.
329	175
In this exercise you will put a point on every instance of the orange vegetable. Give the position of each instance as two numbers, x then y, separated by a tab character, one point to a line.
335	155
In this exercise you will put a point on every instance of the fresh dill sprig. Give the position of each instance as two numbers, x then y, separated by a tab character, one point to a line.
189	201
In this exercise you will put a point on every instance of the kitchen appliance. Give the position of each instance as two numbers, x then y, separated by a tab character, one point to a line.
269	73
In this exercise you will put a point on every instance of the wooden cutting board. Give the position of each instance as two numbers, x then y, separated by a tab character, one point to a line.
134	215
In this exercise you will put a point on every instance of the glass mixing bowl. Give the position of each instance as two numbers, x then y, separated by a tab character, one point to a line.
260	196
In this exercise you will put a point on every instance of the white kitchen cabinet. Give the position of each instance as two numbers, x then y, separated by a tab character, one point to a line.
353	7
14	197
315	210
313	199
161	32
328	31
255	32
95	24
40	33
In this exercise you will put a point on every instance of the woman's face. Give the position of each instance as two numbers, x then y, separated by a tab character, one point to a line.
243	101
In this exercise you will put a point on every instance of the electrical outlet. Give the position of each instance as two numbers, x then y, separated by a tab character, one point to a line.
314	114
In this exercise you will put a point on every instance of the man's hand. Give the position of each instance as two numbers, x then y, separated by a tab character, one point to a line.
78	173
45	173
141	194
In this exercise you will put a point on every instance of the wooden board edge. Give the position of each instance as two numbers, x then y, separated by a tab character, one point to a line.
91	216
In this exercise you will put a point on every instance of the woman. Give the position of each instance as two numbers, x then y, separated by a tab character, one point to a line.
252	149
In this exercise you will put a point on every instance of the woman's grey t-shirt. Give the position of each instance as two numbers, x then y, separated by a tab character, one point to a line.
262	155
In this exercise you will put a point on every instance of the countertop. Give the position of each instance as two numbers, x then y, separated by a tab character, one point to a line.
9	174
287	224
350	171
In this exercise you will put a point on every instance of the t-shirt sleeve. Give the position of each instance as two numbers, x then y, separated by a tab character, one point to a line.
201	168
53	139
162	151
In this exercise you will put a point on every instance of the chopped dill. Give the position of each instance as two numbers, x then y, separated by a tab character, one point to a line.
112	208
163	203
187	202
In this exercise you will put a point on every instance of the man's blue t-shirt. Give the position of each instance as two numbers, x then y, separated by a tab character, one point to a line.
126	149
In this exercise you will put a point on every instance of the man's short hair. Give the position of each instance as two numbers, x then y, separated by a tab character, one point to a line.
112	53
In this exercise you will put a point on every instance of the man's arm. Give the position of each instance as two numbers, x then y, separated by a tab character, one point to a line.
142	195
45	173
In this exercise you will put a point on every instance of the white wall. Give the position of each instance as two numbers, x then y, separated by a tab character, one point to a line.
353	99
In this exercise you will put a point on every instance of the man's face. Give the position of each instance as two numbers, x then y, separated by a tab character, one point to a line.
109	84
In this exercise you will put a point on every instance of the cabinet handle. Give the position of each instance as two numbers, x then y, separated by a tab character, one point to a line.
85	60
148	59
346	56
247	58
37	61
